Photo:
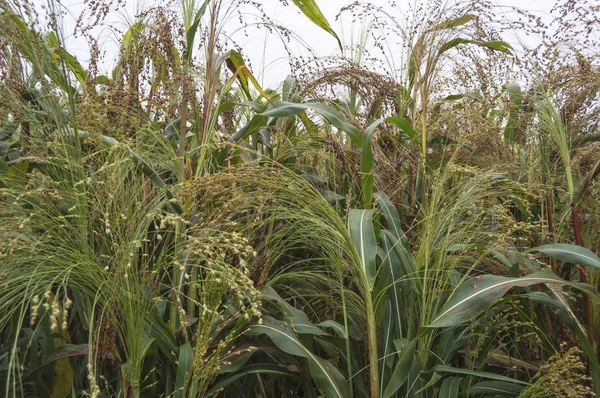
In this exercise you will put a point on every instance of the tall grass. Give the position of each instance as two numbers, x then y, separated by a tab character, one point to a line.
172	228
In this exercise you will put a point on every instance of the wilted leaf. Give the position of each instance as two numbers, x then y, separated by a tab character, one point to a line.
312	11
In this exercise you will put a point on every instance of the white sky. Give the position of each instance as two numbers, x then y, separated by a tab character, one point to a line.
266	53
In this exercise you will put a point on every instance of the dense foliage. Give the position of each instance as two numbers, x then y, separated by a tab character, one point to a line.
416	217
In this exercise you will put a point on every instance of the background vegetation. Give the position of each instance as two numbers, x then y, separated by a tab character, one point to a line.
417	217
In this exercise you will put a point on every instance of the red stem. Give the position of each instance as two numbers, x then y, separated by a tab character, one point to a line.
583	276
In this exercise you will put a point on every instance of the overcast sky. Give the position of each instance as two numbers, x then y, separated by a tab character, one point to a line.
266	53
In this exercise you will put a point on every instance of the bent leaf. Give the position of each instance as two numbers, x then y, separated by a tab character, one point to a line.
145	167
493	45
312	11
332	197
568	253
455	22
328	378
286	109
475	295
404	125
234	61
60	54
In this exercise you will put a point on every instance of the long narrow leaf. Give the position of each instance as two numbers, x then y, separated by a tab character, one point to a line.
312	11
190	34
146	169
366	163
390	213
475	295
568	253
360	225
450	387
475	373
325	375
285	109
402	369
493	45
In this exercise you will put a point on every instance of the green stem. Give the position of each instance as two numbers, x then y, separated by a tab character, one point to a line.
596	382
423	161
173	318
372	336
348	352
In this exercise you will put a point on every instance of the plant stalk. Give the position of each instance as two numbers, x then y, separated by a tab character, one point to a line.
372	338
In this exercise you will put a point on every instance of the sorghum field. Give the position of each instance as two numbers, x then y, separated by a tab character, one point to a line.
416	215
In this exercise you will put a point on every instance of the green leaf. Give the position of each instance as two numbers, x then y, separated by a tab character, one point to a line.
494	45
455	22
105	81
237	66
145	167
287	89
408	263
190	34
475	373
238	358
164	335
494	388
586	181
404	125
566	314
401	371
393	262
289	310
339	329
312	11
366	163
60	54
390	213
515	97
247	370
16	175
332	197
286	109
66	351
313	178
475	295
184	364
235	62
38	54
327	377
256	122
360	226
412	69
303	326
568	253
450	387
434	379
132	33
146	344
